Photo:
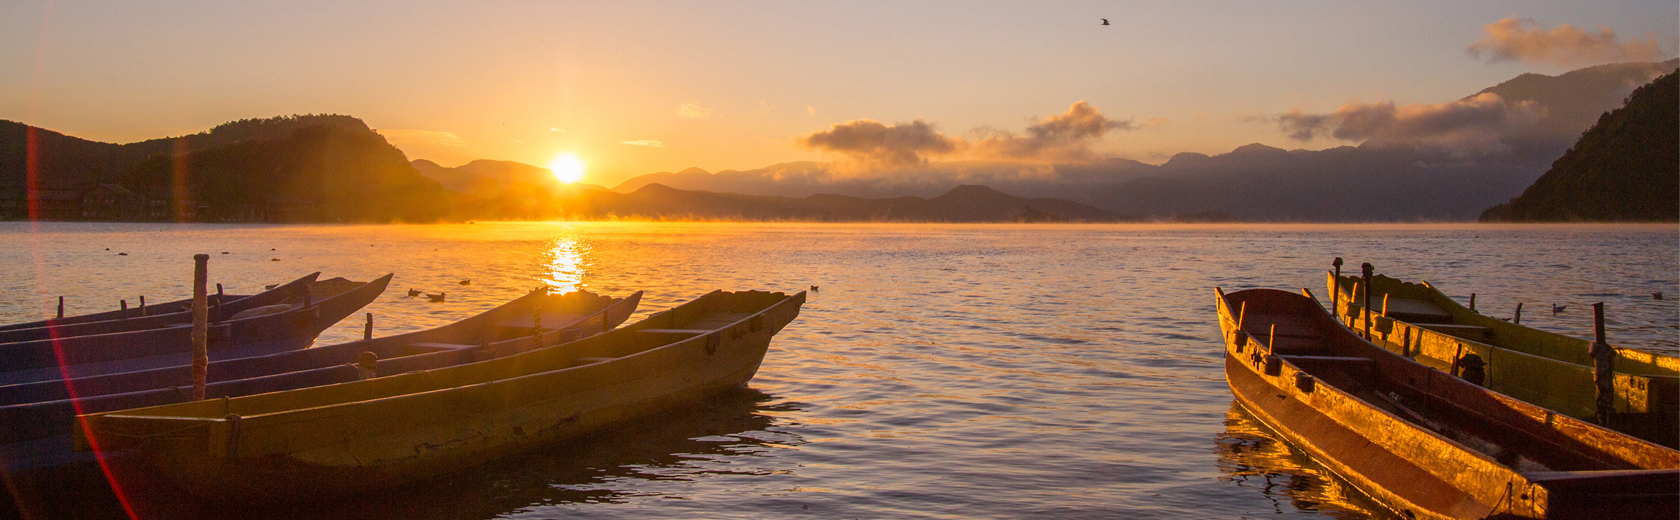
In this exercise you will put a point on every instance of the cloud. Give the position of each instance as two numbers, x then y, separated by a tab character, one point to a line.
872	142
1062	137
400	138
764	107
1478	122
692	110
561	130
1523	39
810	110
1065	136
644	142
1155	123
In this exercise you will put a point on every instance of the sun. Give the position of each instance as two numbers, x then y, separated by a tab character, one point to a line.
567	168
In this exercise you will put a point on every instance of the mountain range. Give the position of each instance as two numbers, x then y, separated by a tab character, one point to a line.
326	168
1374	181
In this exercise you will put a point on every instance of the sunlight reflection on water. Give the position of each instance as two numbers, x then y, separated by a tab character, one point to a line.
941	371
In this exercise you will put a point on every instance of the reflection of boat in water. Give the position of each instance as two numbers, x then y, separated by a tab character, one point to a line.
605	467
1550	370
1253	456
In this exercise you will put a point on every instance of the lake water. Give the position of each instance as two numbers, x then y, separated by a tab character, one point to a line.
942	371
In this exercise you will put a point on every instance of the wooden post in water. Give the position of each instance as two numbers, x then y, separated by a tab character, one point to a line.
61	307
1348	316
1366	270
1604	366
1385	316
367	329
200	332
142	305
219	295
1336	290
536	326
1517	318
1472	302
124	305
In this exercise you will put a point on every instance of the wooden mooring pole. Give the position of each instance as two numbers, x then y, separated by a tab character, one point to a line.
367	329
1336	289
1604	367
200	329
61	307
1366	269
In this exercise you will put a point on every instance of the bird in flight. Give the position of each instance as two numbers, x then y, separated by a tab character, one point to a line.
1105	21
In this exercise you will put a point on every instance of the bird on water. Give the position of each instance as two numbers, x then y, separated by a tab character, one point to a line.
465	282
413	292
436	298
1558	309
1105	21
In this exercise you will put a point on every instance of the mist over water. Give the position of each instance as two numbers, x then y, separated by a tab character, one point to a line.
966	371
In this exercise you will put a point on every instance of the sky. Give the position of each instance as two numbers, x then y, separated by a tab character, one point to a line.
638	87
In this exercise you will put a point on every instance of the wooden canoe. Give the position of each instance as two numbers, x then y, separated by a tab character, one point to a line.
82	356
151	316
1543	368
384	432
1423	442
36	419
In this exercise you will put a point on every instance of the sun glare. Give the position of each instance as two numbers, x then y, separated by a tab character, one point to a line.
567	168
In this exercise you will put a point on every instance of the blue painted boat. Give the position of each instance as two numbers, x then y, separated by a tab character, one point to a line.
290	326
150	316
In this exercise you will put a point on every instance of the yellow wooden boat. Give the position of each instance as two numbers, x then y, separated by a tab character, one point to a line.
1547	369
1426	444
380	433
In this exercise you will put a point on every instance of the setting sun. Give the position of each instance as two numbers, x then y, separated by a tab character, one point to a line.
567	168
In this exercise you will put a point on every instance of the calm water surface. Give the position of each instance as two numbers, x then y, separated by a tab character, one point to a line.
940	372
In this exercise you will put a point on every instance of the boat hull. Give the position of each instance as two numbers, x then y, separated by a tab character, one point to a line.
389	431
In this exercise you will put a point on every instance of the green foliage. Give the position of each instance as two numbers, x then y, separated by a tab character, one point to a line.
1625	168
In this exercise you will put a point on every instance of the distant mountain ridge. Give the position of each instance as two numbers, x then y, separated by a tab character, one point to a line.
1369	182
1625	168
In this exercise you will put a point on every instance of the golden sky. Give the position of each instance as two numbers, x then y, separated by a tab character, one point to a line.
639	87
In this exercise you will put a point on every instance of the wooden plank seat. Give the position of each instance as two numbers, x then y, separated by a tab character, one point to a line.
1462	331
1297	346
1411	310
578	362
1325	359
441	346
